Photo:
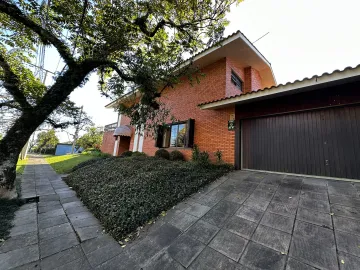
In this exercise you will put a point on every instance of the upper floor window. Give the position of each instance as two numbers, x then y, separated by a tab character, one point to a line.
236	80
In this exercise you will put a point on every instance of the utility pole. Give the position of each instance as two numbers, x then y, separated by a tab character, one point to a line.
77	132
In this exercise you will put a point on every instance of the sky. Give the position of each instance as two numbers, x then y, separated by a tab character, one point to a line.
306	38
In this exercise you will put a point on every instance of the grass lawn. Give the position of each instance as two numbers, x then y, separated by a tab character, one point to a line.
125	193
8	207
64	164
20	166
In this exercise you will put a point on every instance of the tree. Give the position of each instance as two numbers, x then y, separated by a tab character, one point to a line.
131	45
91	139
46	140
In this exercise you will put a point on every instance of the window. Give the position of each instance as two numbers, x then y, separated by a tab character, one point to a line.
236	80
179	134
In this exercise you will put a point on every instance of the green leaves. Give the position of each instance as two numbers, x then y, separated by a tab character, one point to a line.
46	139
125	193
91	139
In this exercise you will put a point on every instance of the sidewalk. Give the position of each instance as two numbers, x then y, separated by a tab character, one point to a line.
58	232
244	220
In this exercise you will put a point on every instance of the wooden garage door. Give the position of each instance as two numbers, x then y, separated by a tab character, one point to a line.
321	142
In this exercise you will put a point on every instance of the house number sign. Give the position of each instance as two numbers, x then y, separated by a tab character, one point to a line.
231	125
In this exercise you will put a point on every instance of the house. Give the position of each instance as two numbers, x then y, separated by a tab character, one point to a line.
310	126
65	148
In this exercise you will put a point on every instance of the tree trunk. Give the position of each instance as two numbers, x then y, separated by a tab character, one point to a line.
11	145
28	122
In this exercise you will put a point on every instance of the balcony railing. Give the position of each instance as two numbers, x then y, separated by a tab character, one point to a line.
110	127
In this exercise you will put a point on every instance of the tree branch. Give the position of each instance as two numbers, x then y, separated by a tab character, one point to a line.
83	15
12	84
46	36
110	64
60	125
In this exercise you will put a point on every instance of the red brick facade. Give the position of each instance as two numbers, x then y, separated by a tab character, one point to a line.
211	126
107	145
252	80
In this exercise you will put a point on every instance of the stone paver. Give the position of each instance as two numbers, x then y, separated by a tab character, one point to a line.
185	249
51	233
229	244
242	221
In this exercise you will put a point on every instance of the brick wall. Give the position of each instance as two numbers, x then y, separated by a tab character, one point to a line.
231	89
252	80
211	130
107	145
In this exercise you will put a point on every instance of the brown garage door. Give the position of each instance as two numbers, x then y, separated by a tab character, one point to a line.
321	142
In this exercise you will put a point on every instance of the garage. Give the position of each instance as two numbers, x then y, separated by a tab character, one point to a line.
306	127
323	142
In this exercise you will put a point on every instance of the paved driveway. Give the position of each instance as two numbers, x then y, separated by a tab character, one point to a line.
256	221
245	220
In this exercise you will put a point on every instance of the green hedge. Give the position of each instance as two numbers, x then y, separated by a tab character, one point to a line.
162	153
126	193
87	163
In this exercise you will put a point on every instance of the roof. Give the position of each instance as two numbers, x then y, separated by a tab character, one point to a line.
221	43
123	131
236	46
336	77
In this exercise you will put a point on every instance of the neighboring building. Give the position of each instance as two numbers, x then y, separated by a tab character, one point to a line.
65	148
309	127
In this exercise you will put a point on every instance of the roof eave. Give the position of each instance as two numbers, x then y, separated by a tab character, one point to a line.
316	82
227	40
123	99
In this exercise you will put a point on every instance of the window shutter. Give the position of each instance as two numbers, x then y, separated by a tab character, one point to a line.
159	136
190	133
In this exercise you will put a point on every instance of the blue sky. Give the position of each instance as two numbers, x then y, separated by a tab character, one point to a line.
307	37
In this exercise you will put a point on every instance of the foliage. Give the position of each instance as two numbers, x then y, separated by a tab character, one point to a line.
125	193
176	155
45	140
91	139
132	45
7	214
20	166
126	154
87	163
203	157
65	164
95	152
138	154
218	155
195	153
162	153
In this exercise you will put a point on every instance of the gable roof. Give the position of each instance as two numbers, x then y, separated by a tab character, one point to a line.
237	47
336	77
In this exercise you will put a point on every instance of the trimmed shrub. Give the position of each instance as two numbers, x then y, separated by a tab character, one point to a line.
218	154
139	154
126	154
162	153
125	193
96	153
176	155
86	163
203	157
195	153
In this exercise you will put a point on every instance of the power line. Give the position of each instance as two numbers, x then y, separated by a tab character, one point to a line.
260	37
48	71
